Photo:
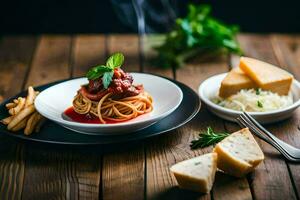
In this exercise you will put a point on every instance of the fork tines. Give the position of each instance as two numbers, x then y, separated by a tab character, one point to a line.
245	120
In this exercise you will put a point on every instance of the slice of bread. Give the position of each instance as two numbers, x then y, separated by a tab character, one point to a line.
196	174
239	153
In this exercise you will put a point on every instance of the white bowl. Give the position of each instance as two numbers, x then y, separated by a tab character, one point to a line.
52	102
210	87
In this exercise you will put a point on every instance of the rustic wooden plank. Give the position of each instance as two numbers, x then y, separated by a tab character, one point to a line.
271	179
61	174
43	173
287	51
227	187
15	58
51	60
201	68
123	172
149	53
165	150
128	45
197	71
51	172
159	182
88	51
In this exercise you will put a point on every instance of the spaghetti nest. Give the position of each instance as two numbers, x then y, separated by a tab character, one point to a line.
108	109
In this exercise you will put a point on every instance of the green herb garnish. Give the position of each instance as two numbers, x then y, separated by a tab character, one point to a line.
116	60
197	33
106	71
97	72
259	104
258	90
208	138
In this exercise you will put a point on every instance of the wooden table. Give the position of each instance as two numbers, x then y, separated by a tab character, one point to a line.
30	171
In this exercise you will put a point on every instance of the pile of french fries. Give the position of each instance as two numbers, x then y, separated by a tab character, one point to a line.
23	114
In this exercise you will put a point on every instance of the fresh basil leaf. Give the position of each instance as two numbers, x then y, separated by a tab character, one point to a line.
107	78
115	60
97	72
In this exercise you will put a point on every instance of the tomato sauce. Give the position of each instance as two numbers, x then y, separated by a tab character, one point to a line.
87	119
121	86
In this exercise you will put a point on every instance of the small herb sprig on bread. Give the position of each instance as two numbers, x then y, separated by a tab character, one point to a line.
208	138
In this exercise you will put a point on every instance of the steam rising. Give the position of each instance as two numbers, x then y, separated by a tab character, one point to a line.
147	16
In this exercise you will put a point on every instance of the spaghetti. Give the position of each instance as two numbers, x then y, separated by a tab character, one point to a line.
114	110
110	94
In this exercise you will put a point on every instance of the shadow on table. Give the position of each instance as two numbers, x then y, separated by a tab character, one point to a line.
178	193
38	154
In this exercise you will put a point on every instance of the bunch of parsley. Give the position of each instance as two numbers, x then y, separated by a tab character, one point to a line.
197	33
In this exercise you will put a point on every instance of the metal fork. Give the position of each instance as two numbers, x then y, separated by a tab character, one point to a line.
289	152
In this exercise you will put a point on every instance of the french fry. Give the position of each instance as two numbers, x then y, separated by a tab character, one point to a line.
18	108
23	114
30	97
10	105
20	116
41	122
31	123
20	125
7	120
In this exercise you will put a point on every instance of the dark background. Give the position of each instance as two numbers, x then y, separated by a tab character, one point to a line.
99	16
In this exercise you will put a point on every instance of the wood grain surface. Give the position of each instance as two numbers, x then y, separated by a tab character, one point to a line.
265	183
139	170
123	172
15	57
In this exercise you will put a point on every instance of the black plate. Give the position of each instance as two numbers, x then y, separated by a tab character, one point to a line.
56	134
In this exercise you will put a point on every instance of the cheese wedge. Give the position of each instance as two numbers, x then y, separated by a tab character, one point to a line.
267	76
196	174
234	81
239	153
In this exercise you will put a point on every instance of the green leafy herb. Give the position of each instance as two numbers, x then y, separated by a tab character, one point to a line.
197	33
107	78
116	60
208	138
258	91
259	104
97	72
106	72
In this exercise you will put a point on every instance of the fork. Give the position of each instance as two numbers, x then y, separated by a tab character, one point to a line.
289	152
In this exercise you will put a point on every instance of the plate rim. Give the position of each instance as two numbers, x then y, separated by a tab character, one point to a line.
51	142
151	119
208	102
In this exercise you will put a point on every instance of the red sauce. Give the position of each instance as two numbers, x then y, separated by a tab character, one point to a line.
121	86
87	119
